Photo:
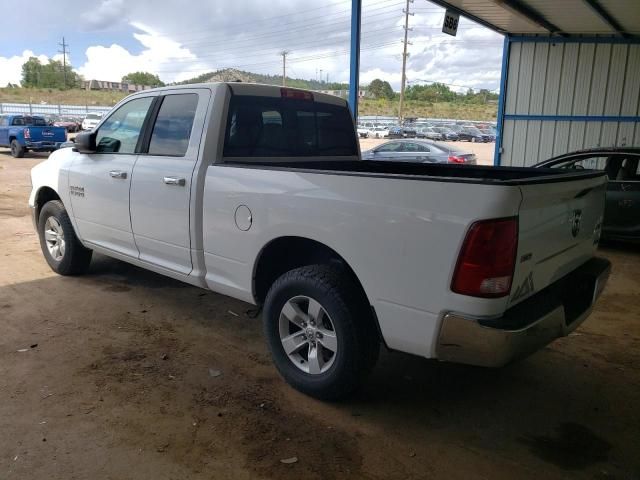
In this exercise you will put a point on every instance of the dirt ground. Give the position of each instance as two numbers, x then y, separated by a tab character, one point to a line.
125	374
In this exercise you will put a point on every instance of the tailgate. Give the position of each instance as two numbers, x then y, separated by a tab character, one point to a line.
559	225
47	134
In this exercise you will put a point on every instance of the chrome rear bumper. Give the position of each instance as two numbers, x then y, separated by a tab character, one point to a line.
551	313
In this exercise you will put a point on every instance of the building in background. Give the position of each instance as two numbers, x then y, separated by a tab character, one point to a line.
113	86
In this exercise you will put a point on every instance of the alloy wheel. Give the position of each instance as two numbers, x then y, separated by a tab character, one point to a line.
54	238
307	335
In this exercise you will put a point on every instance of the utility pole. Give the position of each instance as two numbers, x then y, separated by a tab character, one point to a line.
64	53
284	54
404	58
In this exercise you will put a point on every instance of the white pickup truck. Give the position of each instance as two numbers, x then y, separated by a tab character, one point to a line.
259	193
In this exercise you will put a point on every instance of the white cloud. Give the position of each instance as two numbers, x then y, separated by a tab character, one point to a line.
180	42
113	62
11	68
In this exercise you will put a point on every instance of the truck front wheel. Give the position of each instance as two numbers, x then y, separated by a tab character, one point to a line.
61	248
17	150
320	331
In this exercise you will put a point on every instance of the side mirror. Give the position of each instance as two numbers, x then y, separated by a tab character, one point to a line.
86	142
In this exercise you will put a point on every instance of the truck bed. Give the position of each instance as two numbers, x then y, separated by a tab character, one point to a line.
423	171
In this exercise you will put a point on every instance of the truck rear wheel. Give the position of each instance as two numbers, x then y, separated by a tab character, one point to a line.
60	246
17	150
320	331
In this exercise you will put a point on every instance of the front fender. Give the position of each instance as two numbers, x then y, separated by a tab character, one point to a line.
53	173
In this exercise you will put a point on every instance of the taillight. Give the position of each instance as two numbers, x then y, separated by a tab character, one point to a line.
487	259
456	159
27	133
295	94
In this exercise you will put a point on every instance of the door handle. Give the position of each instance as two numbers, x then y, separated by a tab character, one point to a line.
118	174
180	182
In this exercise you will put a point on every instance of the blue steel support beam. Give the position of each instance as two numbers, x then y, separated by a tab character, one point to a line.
502	99
354	76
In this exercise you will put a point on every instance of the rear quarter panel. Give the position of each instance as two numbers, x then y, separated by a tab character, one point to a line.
401	237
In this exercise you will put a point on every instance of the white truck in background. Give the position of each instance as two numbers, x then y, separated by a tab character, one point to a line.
259	193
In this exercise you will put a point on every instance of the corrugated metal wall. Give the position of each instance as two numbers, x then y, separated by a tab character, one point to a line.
569	79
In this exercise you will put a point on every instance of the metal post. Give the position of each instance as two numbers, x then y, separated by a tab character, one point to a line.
354	74
404	62
284	54
502	98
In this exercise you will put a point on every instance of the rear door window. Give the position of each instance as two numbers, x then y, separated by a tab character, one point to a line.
287	127
172	129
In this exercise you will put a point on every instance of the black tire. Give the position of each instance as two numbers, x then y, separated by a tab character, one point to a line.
358	342
76	258
17	150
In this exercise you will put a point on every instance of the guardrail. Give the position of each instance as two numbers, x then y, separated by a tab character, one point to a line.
49	109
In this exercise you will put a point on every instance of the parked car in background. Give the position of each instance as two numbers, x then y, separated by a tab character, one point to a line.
488	133
409	132
447	133
379	132
91	120
363	132
23	133
422	151
429	133
396	132
622	204
471	134
68	123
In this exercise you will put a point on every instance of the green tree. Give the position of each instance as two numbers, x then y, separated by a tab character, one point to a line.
381	89
143	78
434	92
31	71
48	75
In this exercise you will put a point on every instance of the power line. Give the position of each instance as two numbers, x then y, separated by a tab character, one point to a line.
293	28
299	18
294	60
235	50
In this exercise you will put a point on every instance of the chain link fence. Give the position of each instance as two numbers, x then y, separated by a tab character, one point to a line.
48	109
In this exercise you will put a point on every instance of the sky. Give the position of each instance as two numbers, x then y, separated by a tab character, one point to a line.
178	40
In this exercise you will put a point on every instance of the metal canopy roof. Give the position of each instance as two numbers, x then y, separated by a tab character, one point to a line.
552	17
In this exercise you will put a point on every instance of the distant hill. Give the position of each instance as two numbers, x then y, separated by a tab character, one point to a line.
233	75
